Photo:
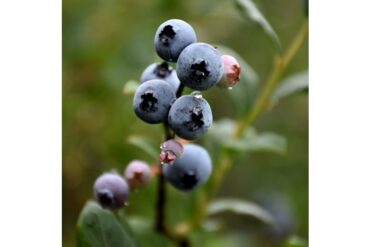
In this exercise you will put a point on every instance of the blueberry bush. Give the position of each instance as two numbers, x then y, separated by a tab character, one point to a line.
168	192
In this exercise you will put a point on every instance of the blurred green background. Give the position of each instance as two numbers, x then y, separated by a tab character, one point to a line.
109	42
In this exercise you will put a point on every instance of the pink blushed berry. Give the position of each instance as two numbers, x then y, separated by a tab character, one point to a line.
138	173
171	150
232	72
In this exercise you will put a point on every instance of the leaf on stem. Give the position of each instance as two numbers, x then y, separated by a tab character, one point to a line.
98	227
242	207
222	132
293	84
144	144
250	11
245	91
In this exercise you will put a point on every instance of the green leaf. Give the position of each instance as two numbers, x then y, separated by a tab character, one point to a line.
293	84
98	227
130	87
140	224
250	11
245	91
251	141
144	144
295	241
242	207
222	131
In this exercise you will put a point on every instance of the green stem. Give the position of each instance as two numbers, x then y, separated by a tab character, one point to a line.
280	65
225	161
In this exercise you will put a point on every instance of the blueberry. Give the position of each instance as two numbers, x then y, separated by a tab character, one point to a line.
172	37
161	71
111	191
199	66
152	101
191	170
231	74
138	173
190	117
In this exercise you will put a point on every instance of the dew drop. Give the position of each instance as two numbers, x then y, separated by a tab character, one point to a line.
197	94
229	88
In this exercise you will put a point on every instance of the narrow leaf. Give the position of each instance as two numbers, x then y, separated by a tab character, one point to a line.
242	207
144	144
250	11
98	227
252	141
130	87
245	91
293	84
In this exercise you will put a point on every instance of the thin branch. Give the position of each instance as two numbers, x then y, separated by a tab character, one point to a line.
160	218
281	63
180	90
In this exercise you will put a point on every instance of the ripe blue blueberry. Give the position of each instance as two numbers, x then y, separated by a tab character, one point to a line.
138	173
172	37
152	101
191	170
161	71
200	66
111	191
190	117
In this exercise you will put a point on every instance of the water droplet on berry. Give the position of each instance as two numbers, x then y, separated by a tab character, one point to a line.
197	94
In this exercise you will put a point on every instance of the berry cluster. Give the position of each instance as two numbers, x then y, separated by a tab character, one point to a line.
199	66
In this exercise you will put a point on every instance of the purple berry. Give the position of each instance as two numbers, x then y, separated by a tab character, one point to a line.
190	117
152	101
161	71
111	191
191	170
200	66
172	37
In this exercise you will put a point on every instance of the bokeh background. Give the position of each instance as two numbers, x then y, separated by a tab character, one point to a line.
109	42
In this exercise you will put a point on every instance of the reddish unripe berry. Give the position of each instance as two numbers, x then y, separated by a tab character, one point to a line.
138	173
232	72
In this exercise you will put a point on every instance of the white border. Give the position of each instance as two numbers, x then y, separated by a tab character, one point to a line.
30	123
339	123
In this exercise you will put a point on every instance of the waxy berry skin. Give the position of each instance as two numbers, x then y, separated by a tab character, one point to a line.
190	117
172	37
138	173
191	170
111	191
200	66
152	101
161	71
